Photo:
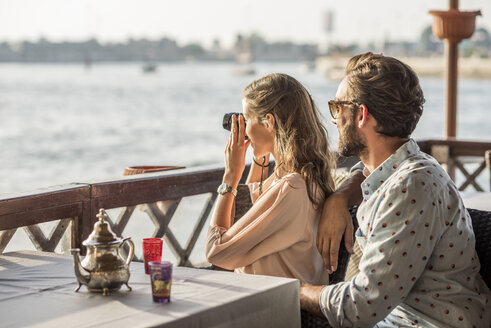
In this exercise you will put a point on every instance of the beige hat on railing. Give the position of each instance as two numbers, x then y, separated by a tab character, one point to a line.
131	170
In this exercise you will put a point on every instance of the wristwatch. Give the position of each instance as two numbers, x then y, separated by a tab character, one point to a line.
225	188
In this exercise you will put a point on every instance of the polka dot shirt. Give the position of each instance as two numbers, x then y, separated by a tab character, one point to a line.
419	266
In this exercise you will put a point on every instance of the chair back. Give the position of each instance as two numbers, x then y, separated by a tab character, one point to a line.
487	156
481	223
344	263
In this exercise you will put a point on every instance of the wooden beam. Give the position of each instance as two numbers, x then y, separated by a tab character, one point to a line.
44	198
149	188
27	218
458	147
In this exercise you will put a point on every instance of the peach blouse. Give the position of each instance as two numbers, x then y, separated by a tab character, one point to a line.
276	237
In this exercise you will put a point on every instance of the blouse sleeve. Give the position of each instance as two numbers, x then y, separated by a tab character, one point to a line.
275	222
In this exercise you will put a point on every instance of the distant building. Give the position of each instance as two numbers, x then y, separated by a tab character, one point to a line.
146	50
257	48
7	53
245	49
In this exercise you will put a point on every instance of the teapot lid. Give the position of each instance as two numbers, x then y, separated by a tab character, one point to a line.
102	233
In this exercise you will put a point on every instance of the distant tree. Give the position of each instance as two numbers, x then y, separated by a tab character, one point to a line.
194	50
217	44
430	43
479	45
338	49
482	38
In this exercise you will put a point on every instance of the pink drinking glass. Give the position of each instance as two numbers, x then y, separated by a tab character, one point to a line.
152	251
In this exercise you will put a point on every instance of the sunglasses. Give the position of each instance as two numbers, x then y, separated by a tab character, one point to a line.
335	106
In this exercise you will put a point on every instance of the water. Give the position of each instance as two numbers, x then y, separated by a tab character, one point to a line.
64	123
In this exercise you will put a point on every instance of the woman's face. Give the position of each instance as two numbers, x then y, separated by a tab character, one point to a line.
261	134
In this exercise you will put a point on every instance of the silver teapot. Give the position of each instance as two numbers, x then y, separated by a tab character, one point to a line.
103	270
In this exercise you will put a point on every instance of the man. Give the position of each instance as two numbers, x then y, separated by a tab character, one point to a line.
419	265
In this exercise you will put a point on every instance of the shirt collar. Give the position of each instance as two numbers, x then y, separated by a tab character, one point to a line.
376	178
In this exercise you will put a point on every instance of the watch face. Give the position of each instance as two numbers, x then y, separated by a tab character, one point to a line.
222	188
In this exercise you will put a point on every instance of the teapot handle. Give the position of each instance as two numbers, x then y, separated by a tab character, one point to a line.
132	250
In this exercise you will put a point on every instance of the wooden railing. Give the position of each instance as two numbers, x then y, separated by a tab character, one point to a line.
73	208
456	154
76	205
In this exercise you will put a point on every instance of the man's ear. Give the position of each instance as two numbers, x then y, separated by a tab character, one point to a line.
362	117
269	121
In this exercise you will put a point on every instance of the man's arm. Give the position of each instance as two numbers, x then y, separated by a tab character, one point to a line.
309	299
336	220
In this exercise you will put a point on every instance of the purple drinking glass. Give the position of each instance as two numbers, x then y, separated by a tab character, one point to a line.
161	280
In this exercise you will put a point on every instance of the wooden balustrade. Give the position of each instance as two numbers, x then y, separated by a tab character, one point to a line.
75	206
455	154
78	204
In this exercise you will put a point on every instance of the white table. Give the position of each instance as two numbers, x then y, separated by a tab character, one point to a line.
37	290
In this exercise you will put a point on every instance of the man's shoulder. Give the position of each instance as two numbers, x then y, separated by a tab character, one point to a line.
421	171
420	167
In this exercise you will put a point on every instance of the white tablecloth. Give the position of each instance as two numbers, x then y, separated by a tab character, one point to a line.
37	290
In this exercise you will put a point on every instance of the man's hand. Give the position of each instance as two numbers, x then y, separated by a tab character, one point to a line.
309	298
336	221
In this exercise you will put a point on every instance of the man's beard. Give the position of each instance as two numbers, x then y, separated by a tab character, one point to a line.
350	142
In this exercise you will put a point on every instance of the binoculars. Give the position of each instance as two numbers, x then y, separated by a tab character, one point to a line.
227	121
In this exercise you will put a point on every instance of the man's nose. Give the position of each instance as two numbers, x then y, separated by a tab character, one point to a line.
333	120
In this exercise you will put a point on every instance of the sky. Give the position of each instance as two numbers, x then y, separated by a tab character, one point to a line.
203	21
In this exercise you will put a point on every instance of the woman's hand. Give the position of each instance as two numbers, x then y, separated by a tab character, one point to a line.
235	153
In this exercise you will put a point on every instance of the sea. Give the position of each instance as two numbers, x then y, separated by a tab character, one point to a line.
63	123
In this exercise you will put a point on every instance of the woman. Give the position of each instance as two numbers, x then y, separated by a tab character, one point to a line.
277	235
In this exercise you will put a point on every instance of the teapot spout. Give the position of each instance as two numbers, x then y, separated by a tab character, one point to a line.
83	276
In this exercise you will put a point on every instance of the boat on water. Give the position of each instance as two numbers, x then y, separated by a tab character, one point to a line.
244	64
244	70
307	66
149	68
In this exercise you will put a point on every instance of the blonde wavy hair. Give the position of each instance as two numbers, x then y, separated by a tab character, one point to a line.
301	142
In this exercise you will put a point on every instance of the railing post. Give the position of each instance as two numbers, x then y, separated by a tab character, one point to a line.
82	225
442	154
487	156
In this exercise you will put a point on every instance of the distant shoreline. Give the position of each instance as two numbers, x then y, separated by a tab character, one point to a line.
332	67
479	68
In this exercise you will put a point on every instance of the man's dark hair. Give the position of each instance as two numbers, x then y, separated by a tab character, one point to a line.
390	89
